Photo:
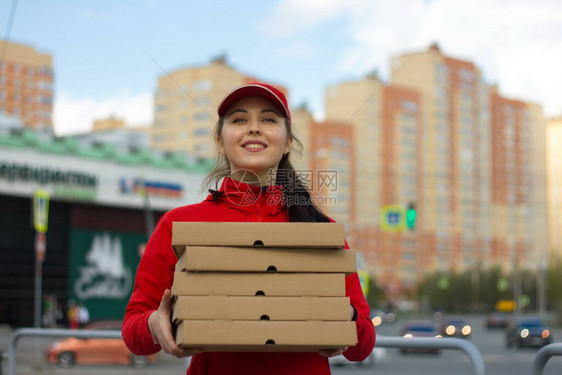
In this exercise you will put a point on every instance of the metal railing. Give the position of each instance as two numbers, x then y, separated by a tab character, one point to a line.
436	343
543	355
53	332
382	341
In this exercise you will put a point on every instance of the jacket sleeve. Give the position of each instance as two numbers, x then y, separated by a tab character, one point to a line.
365	330
154	274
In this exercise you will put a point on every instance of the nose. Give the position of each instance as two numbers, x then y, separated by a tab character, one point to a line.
253	126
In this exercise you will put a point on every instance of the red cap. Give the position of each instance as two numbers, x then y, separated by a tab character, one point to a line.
255	89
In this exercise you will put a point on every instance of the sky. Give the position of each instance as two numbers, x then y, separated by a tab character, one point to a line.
108	55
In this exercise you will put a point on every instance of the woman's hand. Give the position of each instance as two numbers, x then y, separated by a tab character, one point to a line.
161	329
328	353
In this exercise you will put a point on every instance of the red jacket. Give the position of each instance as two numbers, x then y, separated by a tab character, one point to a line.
239	203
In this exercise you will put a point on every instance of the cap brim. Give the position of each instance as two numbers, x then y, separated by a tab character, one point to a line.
251	90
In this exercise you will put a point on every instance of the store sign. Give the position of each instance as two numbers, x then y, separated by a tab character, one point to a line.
12	172
152	188
102	271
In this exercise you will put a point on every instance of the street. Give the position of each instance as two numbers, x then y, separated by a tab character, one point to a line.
498	359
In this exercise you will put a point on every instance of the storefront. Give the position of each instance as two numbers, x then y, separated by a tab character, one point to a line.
102	207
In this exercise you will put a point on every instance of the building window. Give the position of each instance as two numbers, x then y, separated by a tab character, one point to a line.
204	85
46	100
202	147
202	101
409	105
199	116
201	131
45	85
45	70
466	75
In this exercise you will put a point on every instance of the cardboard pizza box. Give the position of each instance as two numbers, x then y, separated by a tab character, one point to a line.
260	234
266	284
265	336
240	259
261	308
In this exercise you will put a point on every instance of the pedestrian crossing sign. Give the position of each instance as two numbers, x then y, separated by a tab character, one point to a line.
393	218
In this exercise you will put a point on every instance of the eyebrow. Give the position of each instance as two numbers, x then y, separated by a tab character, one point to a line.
267	110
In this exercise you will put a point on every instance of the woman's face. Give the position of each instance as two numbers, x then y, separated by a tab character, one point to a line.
254	137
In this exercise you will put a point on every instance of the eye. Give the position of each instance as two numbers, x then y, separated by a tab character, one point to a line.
238	120
270	120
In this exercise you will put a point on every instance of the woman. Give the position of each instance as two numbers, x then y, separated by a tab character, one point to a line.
254	140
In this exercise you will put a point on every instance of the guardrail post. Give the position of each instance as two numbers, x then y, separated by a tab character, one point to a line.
543	355
437	343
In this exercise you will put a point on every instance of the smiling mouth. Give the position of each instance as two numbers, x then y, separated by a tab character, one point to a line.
254	146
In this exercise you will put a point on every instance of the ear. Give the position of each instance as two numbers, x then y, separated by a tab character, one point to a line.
220	145
288	145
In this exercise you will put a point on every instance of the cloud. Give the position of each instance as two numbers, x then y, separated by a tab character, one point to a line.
517	44
76	115
297	50
291	16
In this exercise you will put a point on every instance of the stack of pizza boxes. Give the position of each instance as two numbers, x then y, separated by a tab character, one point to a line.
262	286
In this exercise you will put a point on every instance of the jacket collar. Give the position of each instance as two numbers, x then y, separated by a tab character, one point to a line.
244	197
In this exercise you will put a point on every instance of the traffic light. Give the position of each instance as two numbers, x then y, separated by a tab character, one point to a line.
411	215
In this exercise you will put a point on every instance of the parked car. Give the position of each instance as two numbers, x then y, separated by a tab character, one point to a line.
527	331
455	327
71	351
378	354
419	328
497	320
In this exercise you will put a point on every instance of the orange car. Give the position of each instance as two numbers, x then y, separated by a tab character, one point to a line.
68	352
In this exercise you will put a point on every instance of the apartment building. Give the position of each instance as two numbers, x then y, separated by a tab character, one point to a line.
519	218
438	138
385	126
331	169
554	184
26	84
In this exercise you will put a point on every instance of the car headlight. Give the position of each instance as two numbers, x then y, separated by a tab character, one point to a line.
466	330
524	333
545	333
408	335
450	330
377	321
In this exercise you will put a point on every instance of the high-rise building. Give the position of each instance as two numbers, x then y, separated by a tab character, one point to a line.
185	106
357	104
455	175
466	160
332	169
518	165
385	126
554	184
26	84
